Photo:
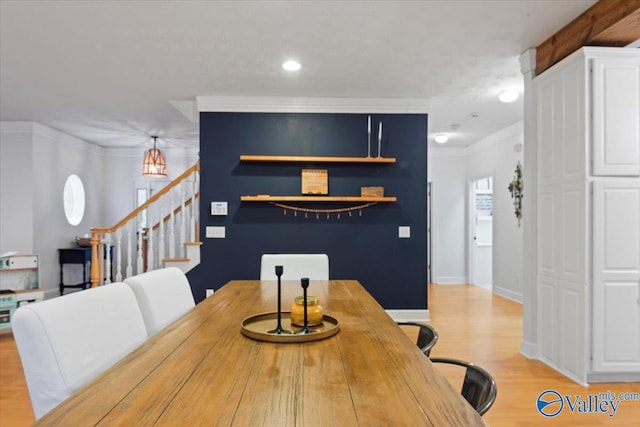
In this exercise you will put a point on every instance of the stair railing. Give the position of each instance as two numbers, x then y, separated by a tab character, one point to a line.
150	246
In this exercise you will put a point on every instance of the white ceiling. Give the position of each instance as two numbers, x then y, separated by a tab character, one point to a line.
107	71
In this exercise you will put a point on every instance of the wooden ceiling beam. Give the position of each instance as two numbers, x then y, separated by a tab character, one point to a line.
612	23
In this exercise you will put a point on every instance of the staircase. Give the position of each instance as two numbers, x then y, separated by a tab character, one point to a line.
173	240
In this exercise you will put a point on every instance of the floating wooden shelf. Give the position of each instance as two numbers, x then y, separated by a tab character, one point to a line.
316	159
267	198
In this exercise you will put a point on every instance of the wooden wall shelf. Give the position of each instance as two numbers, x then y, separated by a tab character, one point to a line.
316	159
267	198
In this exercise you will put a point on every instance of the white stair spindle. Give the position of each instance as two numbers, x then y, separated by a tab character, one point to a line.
107	258
118	255
139	251
183	237
194	205
150	239
129	269
162	250
172	228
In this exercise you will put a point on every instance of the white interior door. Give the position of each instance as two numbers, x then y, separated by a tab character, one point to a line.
481	232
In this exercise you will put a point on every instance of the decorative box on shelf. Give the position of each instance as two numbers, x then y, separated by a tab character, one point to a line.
315	182
372	191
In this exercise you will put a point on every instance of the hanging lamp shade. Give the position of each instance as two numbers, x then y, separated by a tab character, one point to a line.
154	163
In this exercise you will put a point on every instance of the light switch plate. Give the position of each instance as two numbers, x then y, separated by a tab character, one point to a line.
404	232
215	232
218	208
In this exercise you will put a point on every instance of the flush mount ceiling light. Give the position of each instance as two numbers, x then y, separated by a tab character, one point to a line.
508	96
154	163
441	138
291	65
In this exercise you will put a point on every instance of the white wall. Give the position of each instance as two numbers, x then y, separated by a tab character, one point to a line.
48	158
16	188
495	156
35	162
451	170
448	224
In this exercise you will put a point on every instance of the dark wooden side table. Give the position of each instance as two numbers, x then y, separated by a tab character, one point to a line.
78	255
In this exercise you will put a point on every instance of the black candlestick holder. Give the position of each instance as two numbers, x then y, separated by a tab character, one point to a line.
279	329
304	282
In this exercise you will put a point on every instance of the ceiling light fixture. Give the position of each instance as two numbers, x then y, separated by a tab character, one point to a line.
508	96
441	138
154	163
291	65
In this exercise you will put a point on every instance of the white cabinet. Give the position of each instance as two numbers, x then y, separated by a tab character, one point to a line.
616	116
18	272
616	276
588	141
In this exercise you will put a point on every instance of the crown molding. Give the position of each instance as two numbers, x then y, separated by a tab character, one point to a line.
260	104
16	127
48	134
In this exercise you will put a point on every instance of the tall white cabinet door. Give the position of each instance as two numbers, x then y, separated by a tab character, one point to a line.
616	276
616	116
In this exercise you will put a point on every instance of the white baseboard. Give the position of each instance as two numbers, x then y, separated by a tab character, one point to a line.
508	294
51	293
450	280
529	349
565	373
409	315
613	377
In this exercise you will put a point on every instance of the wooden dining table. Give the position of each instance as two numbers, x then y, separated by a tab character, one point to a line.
201	370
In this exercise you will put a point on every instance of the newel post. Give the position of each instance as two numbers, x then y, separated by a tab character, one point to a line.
95	259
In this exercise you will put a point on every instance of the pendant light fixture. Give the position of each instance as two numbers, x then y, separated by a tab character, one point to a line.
154	164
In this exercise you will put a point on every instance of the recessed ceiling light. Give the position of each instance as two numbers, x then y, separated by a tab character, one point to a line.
441	138
291	65
508	96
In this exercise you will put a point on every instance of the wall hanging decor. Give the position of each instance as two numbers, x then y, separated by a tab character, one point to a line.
515	188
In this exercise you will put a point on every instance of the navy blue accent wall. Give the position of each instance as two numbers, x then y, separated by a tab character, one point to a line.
364	247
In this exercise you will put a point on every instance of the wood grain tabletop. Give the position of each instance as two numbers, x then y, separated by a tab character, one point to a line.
202	371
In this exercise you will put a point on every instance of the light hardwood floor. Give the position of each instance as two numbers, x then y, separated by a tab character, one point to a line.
473	324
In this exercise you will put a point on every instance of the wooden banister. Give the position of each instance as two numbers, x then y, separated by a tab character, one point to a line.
97	232
150	201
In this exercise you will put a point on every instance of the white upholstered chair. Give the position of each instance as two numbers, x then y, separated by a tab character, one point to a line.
295	266
163	296
67	341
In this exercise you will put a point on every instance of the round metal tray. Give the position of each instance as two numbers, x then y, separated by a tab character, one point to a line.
257	327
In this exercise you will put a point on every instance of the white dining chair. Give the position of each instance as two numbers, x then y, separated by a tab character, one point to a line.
163	296
67	341
295	266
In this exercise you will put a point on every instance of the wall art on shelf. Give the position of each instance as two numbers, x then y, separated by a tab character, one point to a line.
315	182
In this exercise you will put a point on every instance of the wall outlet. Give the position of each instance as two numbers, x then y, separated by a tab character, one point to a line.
215	232
404	232
209	292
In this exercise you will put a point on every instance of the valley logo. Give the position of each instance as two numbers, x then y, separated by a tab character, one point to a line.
551	403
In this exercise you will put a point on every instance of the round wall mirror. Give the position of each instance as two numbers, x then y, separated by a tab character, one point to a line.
73	199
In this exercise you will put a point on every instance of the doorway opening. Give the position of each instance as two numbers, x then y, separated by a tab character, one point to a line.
481	232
